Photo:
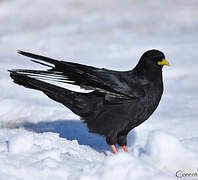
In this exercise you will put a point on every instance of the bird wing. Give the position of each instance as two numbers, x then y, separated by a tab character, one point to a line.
116	83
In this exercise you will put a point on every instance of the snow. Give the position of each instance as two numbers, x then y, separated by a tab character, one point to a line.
178	157
41	139
20	143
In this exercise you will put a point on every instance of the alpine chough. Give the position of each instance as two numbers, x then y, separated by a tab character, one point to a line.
119	100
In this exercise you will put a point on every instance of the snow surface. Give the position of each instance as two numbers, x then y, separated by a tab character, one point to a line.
41	139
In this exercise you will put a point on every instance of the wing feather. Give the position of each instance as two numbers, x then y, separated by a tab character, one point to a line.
116	83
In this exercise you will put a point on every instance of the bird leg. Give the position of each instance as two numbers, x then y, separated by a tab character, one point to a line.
114	149
124	148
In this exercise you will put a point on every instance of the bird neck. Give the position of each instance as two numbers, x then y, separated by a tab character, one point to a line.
153	74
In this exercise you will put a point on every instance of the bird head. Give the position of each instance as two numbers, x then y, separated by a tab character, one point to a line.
153	59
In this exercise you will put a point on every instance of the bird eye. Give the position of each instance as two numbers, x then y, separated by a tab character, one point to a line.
156	59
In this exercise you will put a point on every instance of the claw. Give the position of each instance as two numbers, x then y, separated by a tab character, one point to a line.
114	149
124	148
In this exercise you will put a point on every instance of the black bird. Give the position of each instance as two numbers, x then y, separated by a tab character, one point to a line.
119	102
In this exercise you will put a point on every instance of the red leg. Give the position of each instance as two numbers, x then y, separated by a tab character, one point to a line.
124	148
114	149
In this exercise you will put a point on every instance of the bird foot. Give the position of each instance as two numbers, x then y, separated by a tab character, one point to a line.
124	148
114	149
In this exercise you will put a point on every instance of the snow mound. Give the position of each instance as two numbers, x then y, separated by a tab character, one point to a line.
168	153
28	155
124	166
20	143
47	156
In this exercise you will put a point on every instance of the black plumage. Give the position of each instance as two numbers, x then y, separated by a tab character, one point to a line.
120	100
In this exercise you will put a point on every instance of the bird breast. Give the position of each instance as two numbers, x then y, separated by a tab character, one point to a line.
142	109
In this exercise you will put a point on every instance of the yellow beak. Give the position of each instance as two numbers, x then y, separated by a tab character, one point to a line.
163	62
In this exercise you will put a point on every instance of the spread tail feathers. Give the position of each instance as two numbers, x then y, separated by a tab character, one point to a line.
72	100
